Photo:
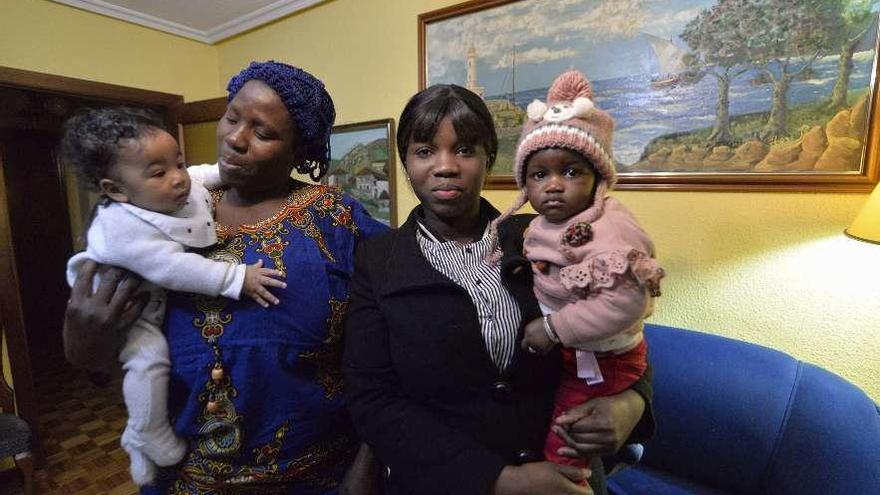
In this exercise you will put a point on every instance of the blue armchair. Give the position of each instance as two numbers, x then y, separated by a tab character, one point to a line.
738	418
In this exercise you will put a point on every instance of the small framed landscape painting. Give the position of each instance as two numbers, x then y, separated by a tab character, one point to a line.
706	94
362	164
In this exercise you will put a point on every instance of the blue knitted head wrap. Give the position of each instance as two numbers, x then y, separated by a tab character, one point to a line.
308	103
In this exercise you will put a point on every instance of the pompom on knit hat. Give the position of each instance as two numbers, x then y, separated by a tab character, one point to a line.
308	103
568	120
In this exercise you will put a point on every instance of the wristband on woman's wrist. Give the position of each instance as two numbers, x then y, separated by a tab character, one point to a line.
548	328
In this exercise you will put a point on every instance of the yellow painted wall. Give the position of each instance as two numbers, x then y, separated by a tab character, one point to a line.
769	268
43	36
201	142
4	356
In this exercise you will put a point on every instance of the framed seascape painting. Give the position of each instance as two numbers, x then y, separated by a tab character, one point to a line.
362	164
706	94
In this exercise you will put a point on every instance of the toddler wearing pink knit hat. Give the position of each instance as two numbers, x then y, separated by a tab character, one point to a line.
593	266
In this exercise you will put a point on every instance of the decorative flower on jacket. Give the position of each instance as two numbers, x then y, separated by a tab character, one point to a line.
581	107
577	234
273	248
344	218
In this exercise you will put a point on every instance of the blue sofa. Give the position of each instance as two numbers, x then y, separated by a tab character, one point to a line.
738	418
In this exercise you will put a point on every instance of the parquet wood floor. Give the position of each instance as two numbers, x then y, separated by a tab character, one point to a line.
81	424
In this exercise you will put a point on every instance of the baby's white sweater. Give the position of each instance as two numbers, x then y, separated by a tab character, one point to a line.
152	244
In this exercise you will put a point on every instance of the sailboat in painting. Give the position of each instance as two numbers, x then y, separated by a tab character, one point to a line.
672	60
504	110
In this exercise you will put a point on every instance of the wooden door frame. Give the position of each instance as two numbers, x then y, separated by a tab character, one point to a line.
50	83
196	112
12	318
11	310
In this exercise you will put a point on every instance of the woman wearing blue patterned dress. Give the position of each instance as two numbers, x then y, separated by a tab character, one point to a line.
257	392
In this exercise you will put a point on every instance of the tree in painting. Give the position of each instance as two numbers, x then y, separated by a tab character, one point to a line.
782	41
784	38
717	41
857	19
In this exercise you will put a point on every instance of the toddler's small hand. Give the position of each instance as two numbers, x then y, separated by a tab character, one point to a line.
541	266
256	281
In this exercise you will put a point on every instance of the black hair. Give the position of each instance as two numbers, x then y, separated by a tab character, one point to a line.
470	117
90	143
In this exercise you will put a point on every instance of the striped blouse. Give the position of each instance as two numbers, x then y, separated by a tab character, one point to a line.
497	309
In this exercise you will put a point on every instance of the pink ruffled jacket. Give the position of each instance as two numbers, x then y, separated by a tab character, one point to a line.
601	290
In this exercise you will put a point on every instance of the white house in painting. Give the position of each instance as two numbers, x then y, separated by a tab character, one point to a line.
371	183
337	178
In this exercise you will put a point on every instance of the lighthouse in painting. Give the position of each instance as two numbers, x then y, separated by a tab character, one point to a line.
472	72
504	111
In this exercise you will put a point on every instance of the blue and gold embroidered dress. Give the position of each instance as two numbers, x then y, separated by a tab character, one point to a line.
257	392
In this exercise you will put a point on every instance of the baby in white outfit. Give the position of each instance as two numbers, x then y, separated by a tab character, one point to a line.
152	209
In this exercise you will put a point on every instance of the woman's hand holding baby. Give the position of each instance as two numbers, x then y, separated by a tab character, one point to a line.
599	426
542	477
535	339
256	281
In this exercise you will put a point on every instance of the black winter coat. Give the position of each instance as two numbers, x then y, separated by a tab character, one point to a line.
421	387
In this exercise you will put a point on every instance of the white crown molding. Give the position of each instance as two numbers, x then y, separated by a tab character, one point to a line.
254	19
257	18
108	9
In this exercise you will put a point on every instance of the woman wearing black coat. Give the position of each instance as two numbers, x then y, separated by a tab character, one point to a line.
435	378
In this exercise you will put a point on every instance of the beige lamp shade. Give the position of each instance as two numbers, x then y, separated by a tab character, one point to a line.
866	226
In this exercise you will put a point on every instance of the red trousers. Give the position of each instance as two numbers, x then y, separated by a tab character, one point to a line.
619	372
